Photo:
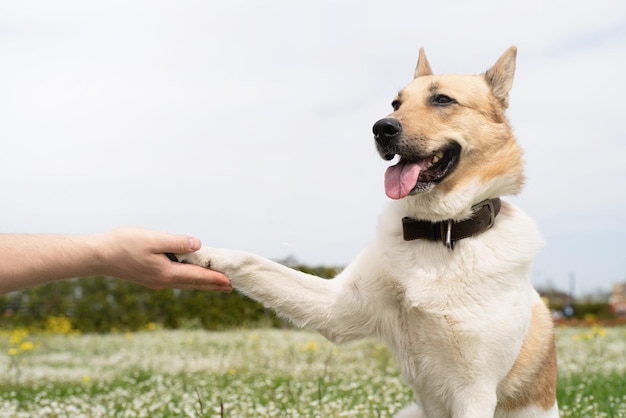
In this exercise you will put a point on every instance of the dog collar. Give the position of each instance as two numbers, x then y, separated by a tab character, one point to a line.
450	231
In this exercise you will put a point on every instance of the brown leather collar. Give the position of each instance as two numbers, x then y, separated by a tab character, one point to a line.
448	232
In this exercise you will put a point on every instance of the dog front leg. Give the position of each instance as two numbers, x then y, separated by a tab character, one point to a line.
306	300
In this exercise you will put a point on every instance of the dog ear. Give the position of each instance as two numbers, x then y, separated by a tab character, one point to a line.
500	76
423	67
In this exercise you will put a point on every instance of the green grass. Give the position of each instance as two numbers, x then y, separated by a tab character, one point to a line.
593	395
600	387
257	373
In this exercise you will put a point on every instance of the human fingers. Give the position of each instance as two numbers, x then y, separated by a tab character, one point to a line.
120	242
175	244
179	244
189	276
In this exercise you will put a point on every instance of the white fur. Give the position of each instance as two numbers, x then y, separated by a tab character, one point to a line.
456	320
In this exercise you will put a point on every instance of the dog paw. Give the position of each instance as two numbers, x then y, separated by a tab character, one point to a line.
238	266
201	258
218	259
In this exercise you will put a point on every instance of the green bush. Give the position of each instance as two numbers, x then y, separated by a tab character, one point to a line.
102	304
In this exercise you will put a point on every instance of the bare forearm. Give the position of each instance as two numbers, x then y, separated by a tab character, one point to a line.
28	260
133	254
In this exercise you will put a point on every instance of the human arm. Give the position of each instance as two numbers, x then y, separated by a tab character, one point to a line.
133	254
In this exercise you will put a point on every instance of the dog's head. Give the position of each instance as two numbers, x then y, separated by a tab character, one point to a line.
449	133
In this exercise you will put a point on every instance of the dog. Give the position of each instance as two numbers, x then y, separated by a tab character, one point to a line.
445	282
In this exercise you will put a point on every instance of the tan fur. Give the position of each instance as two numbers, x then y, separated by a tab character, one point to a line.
423	67
500	76
532	379
478	123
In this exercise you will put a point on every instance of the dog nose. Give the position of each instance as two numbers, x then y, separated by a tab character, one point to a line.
386	130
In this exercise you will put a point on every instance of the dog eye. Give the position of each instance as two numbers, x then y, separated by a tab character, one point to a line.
396	105
442	100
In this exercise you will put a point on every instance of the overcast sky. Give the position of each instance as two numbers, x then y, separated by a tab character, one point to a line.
248	124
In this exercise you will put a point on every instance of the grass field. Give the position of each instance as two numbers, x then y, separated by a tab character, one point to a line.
256	373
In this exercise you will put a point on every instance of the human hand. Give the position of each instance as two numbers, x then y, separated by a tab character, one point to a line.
138	255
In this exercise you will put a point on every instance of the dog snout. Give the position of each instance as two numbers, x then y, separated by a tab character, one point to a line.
386	131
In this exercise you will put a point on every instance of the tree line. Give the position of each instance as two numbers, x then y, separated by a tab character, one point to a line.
104	304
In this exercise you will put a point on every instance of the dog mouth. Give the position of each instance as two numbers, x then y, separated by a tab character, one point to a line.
411	175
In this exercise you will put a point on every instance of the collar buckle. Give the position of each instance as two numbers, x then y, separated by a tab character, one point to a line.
492	210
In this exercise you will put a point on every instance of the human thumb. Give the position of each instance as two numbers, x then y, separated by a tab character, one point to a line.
194	244
181	244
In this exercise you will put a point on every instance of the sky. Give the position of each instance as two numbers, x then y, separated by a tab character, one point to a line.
248	124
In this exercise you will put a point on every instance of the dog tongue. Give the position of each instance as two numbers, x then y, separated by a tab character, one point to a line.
401	178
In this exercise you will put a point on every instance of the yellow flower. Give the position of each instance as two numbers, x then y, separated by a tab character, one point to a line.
13	351
26	346
86	379
60	324
311	346
17	336
232	371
